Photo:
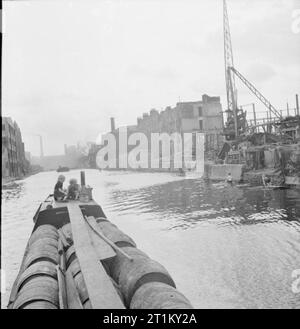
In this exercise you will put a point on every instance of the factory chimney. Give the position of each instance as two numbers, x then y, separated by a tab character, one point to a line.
297	104
112	124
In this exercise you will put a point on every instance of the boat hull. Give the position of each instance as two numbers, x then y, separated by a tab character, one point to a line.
77	258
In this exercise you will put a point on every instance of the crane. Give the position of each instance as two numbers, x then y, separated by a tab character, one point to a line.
229	77
256	92
230	73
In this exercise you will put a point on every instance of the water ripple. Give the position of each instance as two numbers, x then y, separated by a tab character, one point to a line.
240	244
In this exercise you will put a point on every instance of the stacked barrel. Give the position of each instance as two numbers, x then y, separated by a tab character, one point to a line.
143	282
37	286
73	266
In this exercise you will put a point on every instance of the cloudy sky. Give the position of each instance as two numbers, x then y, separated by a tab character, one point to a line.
68	66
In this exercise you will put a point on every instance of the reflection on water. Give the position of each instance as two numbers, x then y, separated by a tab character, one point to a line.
192	202
225	246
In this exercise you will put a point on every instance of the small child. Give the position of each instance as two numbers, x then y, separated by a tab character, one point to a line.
73	189
266	180
59	192
229	178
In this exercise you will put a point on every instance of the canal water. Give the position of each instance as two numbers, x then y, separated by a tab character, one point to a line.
225	246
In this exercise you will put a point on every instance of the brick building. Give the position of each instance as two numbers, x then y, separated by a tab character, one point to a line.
203	116
14	163
199	116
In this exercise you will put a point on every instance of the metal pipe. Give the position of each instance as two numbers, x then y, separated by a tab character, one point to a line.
82	178
254	114
112	124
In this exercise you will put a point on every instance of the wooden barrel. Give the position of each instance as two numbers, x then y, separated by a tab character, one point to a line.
157	295
67	231
43	231
81	287
43	268
45	227
118	290
130	275
41	253
41	305
75	267
46	241
112	232
39	281
38	289
87	305
79	281
70	255
116	263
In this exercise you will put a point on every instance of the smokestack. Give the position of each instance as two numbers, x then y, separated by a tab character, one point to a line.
82	178
112	124
297	104
41	147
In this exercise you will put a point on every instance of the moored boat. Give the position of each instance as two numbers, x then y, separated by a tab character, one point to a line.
77	259
62	169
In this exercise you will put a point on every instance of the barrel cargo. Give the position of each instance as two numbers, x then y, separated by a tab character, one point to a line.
76	258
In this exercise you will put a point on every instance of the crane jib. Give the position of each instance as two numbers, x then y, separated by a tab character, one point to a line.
256	92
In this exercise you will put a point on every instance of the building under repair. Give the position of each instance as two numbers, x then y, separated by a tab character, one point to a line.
203	116
262	147
275	156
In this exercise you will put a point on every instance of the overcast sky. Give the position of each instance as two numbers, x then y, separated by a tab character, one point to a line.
68	66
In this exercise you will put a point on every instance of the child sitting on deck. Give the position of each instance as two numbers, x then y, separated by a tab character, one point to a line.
59	193
73	189
229	178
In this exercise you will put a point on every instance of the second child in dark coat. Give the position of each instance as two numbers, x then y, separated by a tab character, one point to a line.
73	189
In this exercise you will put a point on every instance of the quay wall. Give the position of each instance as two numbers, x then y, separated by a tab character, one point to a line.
211	171
220	172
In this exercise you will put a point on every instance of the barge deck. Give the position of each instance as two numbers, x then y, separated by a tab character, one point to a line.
76	258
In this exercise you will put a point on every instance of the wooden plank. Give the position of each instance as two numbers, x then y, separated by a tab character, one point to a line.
96	229
102	293
103	250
